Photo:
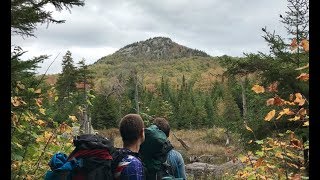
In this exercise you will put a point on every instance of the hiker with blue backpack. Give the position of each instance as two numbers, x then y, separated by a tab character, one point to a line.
95	157
174	158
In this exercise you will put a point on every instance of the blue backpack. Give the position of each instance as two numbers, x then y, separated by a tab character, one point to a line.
91	159
61	168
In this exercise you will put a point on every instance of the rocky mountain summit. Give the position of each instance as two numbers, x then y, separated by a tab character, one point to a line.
157	48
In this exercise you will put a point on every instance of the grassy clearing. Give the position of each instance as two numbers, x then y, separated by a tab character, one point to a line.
201	149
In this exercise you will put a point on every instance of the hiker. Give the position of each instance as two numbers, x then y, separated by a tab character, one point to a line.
126	161
91	159
174	158
154	153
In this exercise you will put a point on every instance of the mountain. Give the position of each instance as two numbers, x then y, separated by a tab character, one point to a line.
152	60
155	59
157	48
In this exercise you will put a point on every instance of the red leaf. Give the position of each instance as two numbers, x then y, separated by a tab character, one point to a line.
303	77
278	101
293	44
273	87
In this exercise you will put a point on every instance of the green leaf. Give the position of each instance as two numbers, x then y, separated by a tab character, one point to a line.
252	177
16	157
18	145
33	134
289	131
259	141
88	101
55	124
260	153
304	177
91	96
56	98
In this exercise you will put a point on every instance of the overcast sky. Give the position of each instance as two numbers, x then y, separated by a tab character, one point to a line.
101	27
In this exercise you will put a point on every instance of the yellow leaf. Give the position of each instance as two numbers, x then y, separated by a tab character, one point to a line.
56	98
42	111
285	111
295	118
29	177
292	156
69	144
15	165
279	155
47	135
293	165
289	103
38	91
299	99
40	139
17	101
243	158
303	77
73	118
262	177
305	45
267	149
303	67
248	128
306	123
271	166
270	115
258	89
14	119
41	123
249	142
65	128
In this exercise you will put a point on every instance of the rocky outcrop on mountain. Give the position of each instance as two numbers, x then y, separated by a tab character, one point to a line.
157	48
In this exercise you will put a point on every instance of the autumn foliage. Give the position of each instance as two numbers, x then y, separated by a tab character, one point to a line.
284	156
35	137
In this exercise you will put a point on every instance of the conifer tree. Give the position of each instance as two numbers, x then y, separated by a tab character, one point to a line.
26	14
66	83
66	89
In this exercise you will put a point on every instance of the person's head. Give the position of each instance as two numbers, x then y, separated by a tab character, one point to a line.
163	125
131	129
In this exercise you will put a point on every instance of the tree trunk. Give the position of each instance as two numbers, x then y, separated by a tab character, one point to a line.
244	99
87	126
136	95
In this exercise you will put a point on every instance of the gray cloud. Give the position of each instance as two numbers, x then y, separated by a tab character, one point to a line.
103	26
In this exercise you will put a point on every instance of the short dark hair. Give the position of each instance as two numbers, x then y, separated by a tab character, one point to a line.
162	124
130	128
